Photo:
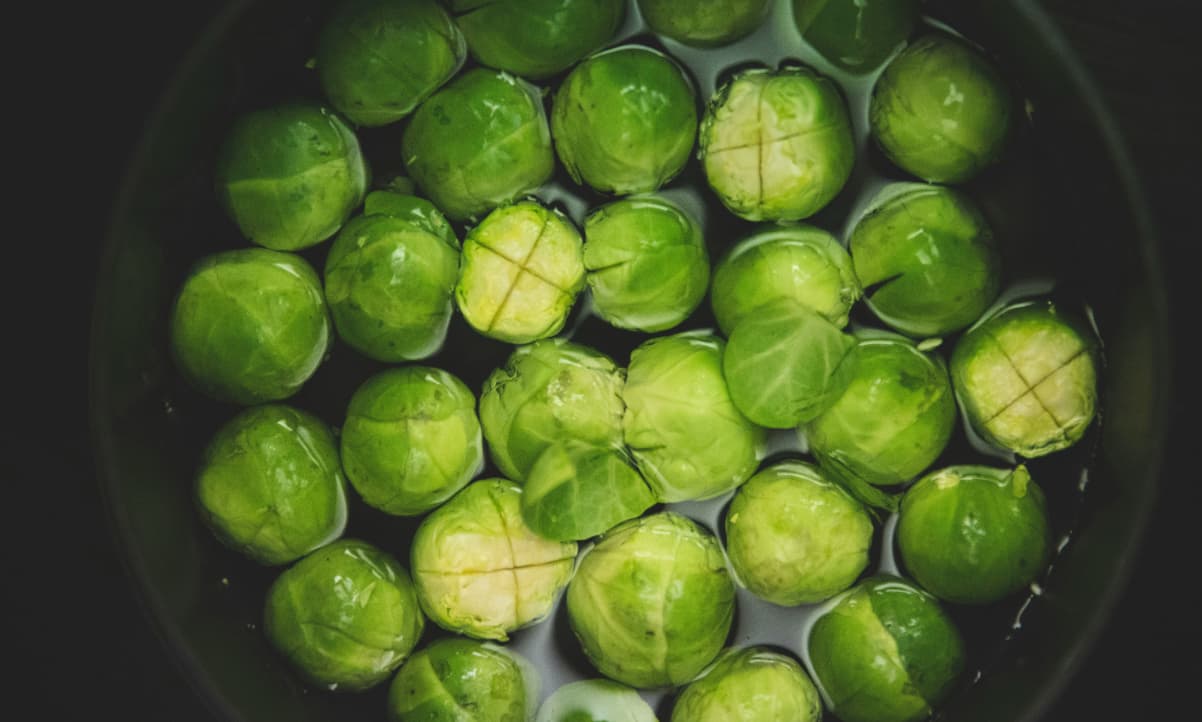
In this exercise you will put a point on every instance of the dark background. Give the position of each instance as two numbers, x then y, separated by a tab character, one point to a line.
79	83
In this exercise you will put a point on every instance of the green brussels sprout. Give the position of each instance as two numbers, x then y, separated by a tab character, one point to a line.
378	59
647	264
624	120
753	684
522	269
478	143
389	283
345	616
400	203
480	570
856	35
411	439
798	263
704	23
777	145
576	491
549	392
894	419
270	485
537	38
785	365
929	258
652	602
794	537
250	325
885	653
941	110
974	534
1027	378
465	681
689	440
595	700
290	176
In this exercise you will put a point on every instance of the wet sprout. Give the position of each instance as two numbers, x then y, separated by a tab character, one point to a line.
595	700
753	684
453	675
576	491
704	23
856	35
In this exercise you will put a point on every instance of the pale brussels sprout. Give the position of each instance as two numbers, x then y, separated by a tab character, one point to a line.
595	700
576	491
465	681
753	684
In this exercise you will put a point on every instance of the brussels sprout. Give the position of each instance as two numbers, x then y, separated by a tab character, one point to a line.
522	269
270	485
798	263
928	257
595	700
777	145
411	439
465	681
576	491
378	59
345	616
647	264
885	653
389	282
480	570
537	38
624	120
687	437
400	203
794	537
290	176
652	602
1027	378
786	365
549	392
753	684
856	35
478	143
974	534
704	23
894	419
940	110
250	326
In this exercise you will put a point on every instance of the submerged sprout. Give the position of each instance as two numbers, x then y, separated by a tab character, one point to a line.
577	491
753	684
941	110
378	59
652	602
704	23
928	257
453	676
777	145
647	264
480	571
856	35
687	437
1027	378
794	537
411	439
290	176
345	616
250	326
625	120
478	143
595	700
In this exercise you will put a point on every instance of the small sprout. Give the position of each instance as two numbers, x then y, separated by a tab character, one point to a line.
595	700
480	142
941	110
399	202
704	23
290	176
794	537
753	684
777	145
1027	378
928	258
480	571
647	263
886	652
270	485
453	675
345	616
378	59
856	35
686	435
577	491
411	439
250	326
974	534
652	602
625	120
